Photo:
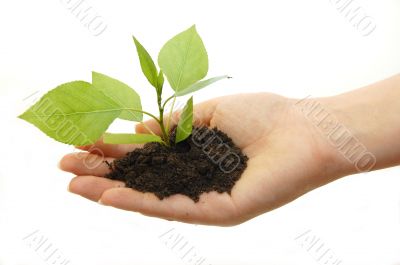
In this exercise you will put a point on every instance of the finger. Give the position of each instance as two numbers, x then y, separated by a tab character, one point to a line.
148	204
92	187
111	150
213	208
202	115
149	126
85	164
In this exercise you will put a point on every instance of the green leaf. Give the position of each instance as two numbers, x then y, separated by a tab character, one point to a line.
199	85
73	113
160	82
122	94
125	138
183	59
146	62
185	123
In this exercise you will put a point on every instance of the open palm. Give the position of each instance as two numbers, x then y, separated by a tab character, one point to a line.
287	158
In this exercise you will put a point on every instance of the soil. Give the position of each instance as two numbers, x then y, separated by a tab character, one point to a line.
206	161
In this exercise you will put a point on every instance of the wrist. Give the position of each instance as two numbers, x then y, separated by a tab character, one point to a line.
368	126
335	140
346	128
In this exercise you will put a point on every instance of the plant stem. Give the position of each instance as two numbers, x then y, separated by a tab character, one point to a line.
159	121
165	134
170	113
168	99
142	111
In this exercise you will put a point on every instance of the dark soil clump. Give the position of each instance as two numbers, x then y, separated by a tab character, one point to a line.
206	161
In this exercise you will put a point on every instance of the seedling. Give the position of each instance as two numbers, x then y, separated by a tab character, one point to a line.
79	113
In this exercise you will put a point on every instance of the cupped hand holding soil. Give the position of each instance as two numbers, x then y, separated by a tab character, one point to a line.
287	158
288	148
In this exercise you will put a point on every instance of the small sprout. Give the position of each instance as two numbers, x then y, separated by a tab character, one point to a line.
79	113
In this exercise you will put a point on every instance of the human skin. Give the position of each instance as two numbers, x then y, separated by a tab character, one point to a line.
289	154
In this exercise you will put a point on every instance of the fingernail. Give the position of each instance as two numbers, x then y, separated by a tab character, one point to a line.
100	202
69	188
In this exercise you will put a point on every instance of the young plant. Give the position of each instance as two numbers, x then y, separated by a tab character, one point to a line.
79	112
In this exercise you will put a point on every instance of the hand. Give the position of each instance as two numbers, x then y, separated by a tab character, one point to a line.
288	157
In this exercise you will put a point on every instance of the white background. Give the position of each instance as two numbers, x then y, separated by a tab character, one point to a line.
293	48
